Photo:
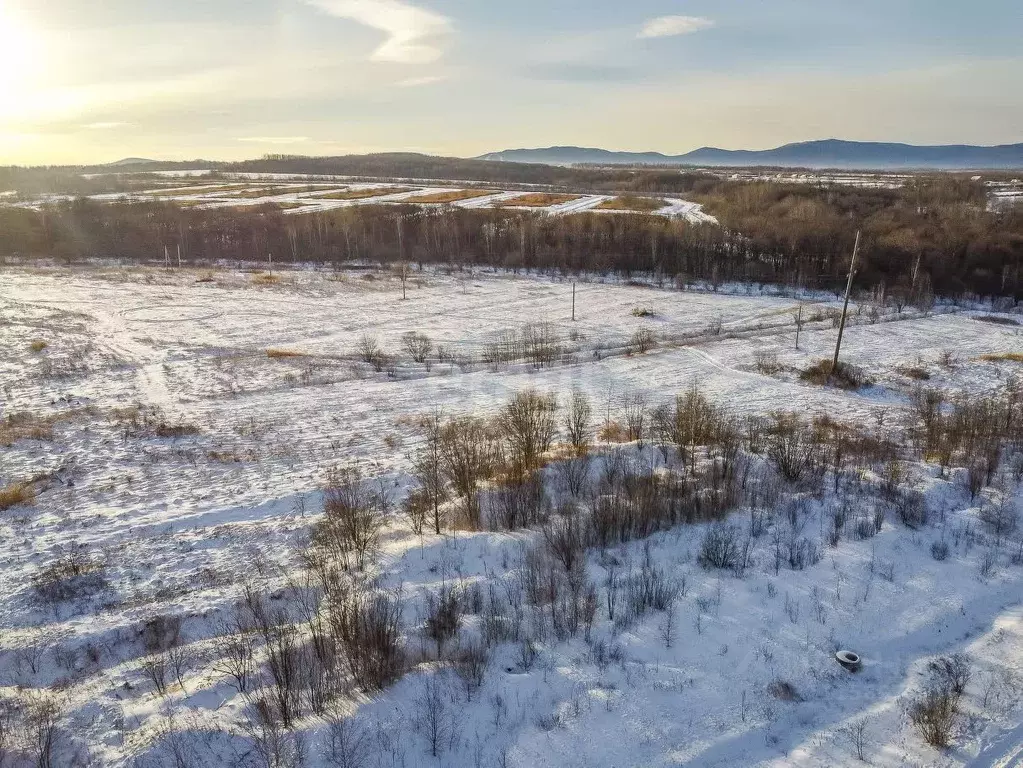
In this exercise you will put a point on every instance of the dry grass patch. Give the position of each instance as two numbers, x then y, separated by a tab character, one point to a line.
451	197
283	354
208	189
38	345
844	376
913	372
16	494
613	432
266	278
255	193
1012	357
632	203
361	194
25	426
537	200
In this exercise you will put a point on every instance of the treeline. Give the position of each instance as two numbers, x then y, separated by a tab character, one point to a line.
932	237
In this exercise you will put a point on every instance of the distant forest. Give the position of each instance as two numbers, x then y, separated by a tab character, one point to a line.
934	236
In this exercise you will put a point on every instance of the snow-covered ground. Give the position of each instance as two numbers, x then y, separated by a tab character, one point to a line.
183	523
297	196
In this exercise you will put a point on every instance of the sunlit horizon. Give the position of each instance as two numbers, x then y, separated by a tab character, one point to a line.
232	80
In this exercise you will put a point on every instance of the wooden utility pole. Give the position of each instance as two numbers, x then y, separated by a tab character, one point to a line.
270	263
799	323
573	302
845	305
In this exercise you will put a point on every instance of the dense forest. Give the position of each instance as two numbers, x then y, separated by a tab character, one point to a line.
935	235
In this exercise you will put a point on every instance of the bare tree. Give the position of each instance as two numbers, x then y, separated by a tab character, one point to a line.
528	425
433	717
348	746
428	468
418	345
578	422
350	528
468	457
857	735
234	659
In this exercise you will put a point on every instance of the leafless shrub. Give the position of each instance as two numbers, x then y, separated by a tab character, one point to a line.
766	362
433	718
720	547
951	672
643	340
791	447
471	662
443	616
10	715
574	474
416	508
541	344
783	691
161	632
155	670
939	550
857	735
234	658
468	457
635	412
350	528
691	421
370	352
565	537
348	746
578	422
74	576
368	627
528	425
518	504
428	471
936	712
935	715
418	346
42	732
911	507
274	746
1000	518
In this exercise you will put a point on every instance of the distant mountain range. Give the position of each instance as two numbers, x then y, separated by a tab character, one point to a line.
830	153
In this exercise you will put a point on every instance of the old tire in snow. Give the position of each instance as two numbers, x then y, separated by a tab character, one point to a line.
849	660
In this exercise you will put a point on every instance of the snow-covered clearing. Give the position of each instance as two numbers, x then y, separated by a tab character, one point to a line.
188	460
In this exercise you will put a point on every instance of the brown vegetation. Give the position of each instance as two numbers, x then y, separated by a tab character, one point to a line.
843	375
449	197
16	494
361	194
283	354
536	200
632	203
1014	357
27	426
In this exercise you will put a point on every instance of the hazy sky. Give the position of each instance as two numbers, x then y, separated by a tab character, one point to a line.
97	80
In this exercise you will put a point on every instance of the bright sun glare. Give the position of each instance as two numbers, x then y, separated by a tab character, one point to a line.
16	59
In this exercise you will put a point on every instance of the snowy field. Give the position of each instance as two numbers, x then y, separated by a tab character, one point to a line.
297	195
186	422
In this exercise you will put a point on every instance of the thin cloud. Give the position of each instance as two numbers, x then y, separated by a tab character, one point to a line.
416	82
105	126
414	35
670	26
275	139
